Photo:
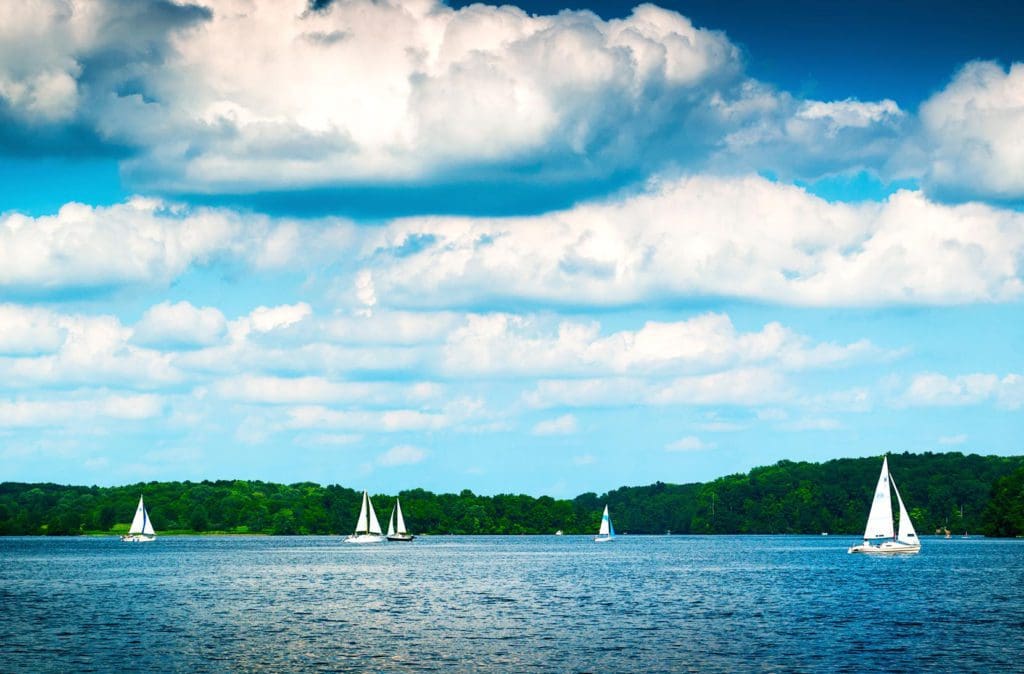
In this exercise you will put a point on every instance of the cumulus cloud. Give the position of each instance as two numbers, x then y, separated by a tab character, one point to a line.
974	133
180	325
763	129
29	331
141	241
704	236
62	62
448	88
311	390
747	386
401	455
934	389
387	421
563	425
66	410
77	349
502	343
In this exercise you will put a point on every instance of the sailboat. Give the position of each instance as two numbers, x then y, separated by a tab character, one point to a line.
401	533
367	526
880	524
607	532
141	530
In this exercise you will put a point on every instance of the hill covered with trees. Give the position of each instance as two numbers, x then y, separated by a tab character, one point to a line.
963	493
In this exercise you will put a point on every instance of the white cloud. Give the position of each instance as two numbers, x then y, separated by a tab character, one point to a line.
140	241
447	88
931	388
563	425
29	331
387	421
688	237
266	319
690	443
293	390
92	350
750	386
974	132
75	411
849	113
958	439
180	325
818	424
705	236
501	343
401	455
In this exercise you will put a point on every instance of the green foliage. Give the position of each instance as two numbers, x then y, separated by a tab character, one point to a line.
962	493
1004	515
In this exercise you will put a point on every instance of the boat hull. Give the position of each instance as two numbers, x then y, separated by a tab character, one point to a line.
888	548
137	538
604	539
399	538
362	539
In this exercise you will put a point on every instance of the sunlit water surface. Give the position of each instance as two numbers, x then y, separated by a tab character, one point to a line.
509	604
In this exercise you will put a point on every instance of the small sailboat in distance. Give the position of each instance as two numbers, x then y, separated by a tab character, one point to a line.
880	523
607	532
367	526
141	530
400	533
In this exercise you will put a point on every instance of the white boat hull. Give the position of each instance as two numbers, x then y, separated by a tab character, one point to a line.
362	539
137	538
887	548
604	539
403	538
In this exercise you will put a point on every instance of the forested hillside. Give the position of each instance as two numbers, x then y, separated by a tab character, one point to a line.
983	494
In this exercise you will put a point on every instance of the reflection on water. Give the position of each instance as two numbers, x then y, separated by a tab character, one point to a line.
551	604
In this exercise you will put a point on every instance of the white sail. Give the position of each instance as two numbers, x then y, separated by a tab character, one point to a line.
907	534
141	523
374	524
606	524
391	524
880	518
361	523
401	520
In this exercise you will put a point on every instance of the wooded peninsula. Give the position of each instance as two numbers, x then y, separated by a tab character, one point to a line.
943	491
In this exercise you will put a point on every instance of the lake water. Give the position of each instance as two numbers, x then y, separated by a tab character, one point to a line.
508	604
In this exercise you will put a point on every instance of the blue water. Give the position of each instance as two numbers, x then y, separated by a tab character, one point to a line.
509	604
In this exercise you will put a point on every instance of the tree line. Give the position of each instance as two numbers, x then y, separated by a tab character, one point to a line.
948	491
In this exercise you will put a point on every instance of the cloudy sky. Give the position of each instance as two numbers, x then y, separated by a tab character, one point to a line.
533	249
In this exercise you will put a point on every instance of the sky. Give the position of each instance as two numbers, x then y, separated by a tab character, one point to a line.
546	249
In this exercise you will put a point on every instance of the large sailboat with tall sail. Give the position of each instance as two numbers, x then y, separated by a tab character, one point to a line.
880	523
607	532
367	526
399	532
141	530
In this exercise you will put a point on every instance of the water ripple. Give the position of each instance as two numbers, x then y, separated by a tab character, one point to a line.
511	604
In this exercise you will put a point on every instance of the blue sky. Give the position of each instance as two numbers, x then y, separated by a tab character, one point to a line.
544	249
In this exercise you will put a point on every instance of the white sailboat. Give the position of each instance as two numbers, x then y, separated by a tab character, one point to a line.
367	526
141	530
607	532
401	533
880	523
